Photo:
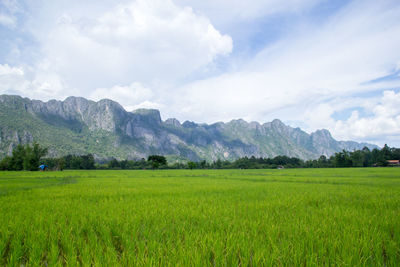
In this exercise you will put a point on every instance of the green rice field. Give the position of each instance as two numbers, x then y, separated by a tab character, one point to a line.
290	217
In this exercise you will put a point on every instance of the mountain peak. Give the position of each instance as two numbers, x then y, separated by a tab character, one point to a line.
75	98
277	122
147	116
173	122
189	124
78	126
145	111
322	132
238	121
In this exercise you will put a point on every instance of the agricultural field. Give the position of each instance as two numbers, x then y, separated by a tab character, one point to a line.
295	217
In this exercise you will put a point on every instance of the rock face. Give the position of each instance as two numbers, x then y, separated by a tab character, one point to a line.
77	125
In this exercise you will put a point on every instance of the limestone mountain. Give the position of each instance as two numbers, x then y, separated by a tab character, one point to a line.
79	126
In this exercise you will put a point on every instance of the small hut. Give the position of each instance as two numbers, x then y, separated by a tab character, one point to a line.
393	162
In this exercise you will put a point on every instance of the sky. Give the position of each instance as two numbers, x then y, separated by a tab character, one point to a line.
313	64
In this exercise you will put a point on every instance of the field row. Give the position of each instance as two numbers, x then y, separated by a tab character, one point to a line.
346	217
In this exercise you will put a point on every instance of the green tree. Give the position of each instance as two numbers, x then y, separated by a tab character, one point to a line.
6	164
157	158
203	164
155	165
33	156
367	157
87	162
342	159
60	164
322	162
357	158
114	164
191	165
386	152
17	158
217	164
24	158
396	153
76	163
156	161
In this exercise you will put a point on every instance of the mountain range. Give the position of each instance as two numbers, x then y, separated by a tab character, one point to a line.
105	129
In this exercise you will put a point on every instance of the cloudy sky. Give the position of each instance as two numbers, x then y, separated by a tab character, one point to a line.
314	64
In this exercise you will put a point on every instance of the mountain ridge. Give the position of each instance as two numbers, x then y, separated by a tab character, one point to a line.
105	129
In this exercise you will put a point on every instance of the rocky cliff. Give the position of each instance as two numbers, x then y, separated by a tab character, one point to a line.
77	125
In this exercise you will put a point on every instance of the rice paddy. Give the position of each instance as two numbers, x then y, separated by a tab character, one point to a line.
296	217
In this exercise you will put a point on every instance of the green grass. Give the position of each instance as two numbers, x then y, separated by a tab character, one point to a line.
299	217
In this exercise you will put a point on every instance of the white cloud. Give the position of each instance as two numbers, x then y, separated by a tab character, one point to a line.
128	96
15	80
12	80
131	97
9	10
147	105
7	70
7	20
383	123
142	41
103	50
231	11
11	5
333	60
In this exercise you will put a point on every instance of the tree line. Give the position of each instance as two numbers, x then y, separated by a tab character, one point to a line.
30	157
358	158
24	158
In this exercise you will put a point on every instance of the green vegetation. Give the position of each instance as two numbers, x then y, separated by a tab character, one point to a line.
24	158
291	217
358	158
157	161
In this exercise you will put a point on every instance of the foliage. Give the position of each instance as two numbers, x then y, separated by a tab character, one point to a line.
79	162
24	158
191	165
157	158
157	161
32	156
357	158
75	162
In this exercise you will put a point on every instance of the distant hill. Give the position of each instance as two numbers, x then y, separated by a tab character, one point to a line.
79	126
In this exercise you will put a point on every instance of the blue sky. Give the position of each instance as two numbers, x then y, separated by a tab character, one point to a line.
311	63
